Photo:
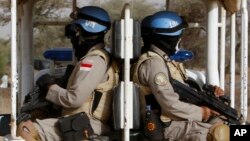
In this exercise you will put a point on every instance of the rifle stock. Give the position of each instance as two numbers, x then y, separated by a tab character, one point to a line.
203	98
34	100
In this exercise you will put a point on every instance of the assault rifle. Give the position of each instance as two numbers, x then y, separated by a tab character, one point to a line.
206	98
35	104
34	100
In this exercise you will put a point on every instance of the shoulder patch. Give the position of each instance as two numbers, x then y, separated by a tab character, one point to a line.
160	79
86	65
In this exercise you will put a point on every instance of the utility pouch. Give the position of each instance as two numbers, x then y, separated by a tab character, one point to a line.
153	128
75	127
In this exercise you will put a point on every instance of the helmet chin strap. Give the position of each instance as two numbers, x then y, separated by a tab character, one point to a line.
177	46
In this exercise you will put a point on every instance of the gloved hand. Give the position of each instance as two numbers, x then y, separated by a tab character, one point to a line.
207	113
44	82
214	89
218	91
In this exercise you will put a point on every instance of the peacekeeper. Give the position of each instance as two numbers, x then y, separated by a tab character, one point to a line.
86	101
178	120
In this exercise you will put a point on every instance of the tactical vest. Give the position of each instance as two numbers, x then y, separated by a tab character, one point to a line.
99	104
176	70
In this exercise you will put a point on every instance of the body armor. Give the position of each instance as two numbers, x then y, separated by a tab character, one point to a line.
99	103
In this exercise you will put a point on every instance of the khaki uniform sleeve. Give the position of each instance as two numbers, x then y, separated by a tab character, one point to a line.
82	82
154	73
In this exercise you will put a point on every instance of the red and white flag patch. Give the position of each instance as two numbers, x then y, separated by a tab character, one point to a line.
86	65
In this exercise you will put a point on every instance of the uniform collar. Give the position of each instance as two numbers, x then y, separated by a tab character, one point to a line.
97	46
159	52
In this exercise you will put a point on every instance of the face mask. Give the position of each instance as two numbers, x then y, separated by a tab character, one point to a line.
168	44
81	46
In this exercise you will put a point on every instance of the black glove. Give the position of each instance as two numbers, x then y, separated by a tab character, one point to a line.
216	90
44	82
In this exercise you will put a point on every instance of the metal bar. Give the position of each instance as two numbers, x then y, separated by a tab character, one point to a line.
232	61
167	4
222	47
128	26
244	58
74	5
14	74
26	52
126	77
212	44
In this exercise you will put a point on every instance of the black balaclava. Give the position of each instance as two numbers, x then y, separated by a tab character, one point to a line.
146	44
165	43
146	37
82	46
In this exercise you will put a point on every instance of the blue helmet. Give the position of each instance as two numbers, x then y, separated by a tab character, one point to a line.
92	19
167	23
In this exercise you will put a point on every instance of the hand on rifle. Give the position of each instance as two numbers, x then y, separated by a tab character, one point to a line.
207	113
218	91
44	82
